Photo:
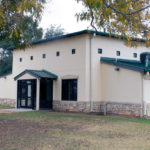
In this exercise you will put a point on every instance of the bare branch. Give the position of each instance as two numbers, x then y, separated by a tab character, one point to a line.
92	19
113	8
137	11
123	13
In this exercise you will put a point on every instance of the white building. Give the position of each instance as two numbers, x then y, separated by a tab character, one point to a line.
85	71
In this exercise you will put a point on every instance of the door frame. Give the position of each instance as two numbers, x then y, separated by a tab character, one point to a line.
33	93
49	105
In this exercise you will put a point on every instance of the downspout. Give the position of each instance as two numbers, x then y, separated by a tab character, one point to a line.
90	67
91	83
143	99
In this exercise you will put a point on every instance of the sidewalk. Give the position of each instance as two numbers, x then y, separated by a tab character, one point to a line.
14	110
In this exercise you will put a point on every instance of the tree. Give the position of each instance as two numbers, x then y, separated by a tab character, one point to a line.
31	33
54	31
5	62
13	14
31	30
129	18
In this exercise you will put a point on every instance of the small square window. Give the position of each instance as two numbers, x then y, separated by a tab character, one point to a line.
31	57
118	53
44	55
20	59
73	51
100	51
57	53
135	55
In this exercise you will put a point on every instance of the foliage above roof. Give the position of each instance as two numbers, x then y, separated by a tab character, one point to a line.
129	18
14	15
80	33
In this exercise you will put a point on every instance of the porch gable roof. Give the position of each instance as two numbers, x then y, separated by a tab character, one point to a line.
38	74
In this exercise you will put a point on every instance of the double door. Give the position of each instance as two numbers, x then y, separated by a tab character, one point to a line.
26	94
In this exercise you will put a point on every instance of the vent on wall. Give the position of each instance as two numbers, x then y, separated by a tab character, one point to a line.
135	55
20	59
117	69
100	51
44	56
31	57
118	53
57	53
73	51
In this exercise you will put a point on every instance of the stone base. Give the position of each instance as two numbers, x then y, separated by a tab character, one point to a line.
99	107
122	108
8	102
71	106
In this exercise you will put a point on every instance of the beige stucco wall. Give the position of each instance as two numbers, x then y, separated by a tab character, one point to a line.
124	86
8	87
146	94
64	65
109	47
78	65
26	76
146	89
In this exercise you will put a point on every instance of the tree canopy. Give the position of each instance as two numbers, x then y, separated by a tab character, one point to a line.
30	30
5	62
13	17
31	33
54	31
129	18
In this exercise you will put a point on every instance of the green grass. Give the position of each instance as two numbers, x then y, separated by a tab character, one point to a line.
5	107
71	131
43	115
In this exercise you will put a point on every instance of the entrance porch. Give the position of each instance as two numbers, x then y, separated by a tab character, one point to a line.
35	89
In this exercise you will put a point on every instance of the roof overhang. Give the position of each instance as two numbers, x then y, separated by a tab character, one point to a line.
125	63
39	74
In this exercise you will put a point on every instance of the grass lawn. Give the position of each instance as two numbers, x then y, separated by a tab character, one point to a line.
66	131
5	107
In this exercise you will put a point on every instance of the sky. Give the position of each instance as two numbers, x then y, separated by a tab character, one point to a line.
62	12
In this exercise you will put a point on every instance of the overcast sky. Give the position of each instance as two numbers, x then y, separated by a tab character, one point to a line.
62	12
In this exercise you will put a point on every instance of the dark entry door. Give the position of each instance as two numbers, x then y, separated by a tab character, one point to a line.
26	94
46	94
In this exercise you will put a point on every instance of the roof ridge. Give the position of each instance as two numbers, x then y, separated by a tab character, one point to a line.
79	33
38	74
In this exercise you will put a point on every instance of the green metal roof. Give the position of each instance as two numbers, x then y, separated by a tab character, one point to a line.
125	63
38	74
79	33
85	32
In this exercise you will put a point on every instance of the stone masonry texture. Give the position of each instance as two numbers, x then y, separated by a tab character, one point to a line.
8	102
99	107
